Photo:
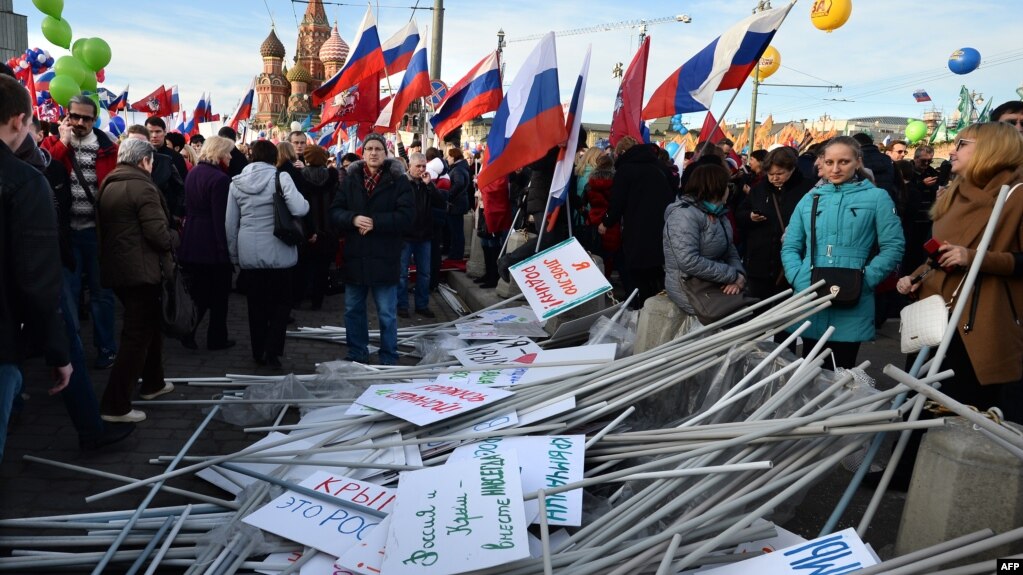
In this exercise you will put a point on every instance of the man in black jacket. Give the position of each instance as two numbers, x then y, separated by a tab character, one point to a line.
373	209
419	238
30	274
883	169
238	160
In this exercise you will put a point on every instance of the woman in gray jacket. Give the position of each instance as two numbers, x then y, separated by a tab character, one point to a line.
266	260
698	237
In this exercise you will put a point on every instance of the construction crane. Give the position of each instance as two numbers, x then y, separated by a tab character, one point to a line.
641	24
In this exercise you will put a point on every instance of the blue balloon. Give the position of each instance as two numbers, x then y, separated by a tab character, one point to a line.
964	60
682	130
672	148
116	125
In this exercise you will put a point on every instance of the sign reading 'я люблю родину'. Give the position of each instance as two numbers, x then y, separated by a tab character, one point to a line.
458	517
559	279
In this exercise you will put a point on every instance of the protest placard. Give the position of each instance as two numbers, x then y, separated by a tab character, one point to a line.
321	564
519	314
836	554
498	352
367	557
458	517
324	526
424	404
547	461
559	279
592	354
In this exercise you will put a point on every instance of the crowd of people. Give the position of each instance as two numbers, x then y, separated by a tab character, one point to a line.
83	211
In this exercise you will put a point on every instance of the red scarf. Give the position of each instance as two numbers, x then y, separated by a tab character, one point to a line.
370	180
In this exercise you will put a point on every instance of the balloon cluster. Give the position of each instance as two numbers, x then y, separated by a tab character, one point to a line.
83	69
35	60
671	148
676	125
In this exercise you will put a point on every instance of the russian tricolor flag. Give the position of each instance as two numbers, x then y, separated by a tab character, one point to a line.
244	108
414	84
476	94
119	103
723	65
398	49
530	120
566	159
367	59
175	102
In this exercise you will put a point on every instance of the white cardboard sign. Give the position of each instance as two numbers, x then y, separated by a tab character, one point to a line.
332	529
835	554
426	403
498	352
547	461
457	517
559	279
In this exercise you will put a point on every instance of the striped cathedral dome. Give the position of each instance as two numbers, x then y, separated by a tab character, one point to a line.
272	47
334	49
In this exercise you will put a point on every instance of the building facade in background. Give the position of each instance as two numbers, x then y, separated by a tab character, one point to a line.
13	31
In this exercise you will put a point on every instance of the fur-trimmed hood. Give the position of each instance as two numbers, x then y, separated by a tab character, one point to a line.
391	166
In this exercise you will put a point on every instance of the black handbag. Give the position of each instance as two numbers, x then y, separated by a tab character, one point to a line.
287	228
709	303
845	283
178	315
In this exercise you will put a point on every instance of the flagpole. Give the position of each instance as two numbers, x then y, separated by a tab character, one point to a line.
722	116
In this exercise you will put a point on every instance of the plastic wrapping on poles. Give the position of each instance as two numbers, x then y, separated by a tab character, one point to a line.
289	387
437	348
622	333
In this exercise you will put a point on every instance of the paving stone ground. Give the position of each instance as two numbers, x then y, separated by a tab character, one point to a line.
42	429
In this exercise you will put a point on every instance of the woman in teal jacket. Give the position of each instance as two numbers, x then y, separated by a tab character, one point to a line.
857	227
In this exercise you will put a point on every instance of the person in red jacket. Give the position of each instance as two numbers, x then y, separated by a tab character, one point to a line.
88	154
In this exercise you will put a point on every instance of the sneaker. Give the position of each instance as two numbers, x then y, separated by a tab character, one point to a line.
133	416
111	434
403	313
425	312
167	388
105	360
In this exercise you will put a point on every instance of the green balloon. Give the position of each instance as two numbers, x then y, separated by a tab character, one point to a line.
62	88
95	54
57	31
95	99
915	131
73	67
76	48
50	7
89	85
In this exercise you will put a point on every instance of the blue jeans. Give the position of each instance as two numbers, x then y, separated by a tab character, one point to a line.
421	252
456	225
10	383
357	322
79	396
85	246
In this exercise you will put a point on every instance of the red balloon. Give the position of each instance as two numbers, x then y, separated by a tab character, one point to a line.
101	76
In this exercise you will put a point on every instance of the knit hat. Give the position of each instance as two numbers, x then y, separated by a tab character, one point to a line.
377	137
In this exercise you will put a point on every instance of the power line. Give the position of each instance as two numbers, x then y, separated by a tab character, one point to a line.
416	7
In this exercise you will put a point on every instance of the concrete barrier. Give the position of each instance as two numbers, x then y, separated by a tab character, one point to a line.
659	321
962	482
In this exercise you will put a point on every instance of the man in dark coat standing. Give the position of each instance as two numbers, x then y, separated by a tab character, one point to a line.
374	208
238	160
30	269
419	237
639	195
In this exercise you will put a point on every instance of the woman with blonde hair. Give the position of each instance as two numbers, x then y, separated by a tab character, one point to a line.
203	252
986	351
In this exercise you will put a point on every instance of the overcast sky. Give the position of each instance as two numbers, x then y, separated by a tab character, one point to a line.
885	52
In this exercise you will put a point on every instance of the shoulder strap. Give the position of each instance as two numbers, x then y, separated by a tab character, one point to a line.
813	231
277	180
78	174
777	211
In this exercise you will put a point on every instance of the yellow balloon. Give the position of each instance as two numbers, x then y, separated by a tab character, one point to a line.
770	61
830	14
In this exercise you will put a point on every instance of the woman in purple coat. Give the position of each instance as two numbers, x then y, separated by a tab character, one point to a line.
203	252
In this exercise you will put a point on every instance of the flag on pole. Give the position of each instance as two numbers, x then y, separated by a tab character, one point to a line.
175	102
566	159
530	120
476	94
627	119
965	108
940	133
183	125
365	60
723	65
157	103
414	84
922	96
985	114
119	103
398	49
711	130
244	108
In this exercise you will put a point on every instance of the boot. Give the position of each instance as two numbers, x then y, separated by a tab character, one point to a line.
490	265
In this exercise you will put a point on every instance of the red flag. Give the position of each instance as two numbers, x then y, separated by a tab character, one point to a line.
158	103
627	120
710	131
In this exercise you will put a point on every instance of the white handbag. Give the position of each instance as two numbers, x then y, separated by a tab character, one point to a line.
923	323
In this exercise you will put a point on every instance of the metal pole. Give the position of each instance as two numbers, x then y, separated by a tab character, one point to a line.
437	39
753	112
